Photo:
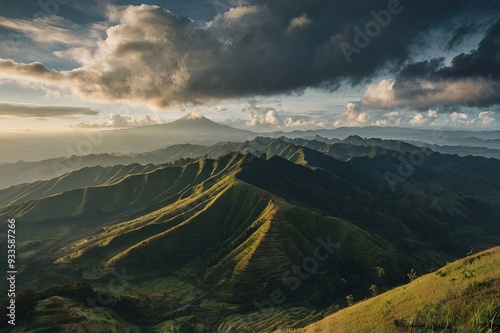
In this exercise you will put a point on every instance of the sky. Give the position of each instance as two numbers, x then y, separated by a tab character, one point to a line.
68	65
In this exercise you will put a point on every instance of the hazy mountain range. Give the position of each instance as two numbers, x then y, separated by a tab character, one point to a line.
25	172
40	146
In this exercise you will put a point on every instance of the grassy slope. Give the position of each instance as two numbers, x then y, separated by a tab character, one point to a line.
463	296
228	209
86	177
236	242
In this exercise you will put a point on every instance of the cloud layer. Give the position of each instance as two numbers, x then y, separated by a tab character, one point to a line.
120	121
148	55
43	111
472	80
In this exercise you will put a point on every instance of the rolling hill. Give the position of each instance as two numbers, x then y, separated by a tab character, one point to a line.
208	242
28	172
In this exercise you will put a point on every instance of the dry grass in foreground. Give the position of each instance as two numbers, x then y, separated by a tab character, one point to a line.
463	296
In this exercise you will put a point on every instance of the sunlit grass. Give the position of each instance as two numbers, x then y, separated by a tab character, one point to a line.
463	296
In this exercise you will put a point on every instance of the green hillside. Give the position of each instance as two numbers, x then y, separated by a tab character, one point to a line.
207	243
463	296
86	177
33	172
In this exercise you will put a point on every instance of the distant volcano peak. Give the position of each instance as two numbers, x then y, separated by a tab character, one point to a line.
196	119
194	115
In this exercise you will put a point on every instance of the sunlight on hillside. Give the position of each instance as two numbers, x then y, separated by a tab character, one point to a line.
463	296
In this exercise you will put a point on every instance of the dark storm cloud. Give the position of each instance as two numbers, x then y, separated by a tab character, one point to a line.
471	80
460	34
153	56
43	111
483	61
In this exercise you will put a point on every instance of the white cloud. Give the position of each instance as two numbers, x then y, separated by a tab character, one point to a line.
353	116
468	119
457	116
299	22
142	60
418	120
487	118
262	116
303	123
120	121
220	109
150	56
394	114
268	117
81	55
423	94
195	114
53	30
432	114
380	96
234	14
35	71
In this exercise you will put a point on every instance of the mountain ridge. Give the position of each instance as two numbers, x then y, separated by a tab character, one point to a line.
241	221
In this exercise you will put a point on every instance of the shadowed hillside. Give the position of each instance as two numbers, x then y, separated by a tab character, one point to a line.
208	242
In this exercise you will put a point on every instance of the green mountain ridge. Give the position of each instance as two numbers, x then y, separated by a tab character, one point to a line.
27	172
45	169
86	177
215	236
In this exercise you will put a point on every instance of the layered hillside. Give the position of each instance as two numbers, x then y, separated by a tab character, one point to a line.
86	177
28	172
208	242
